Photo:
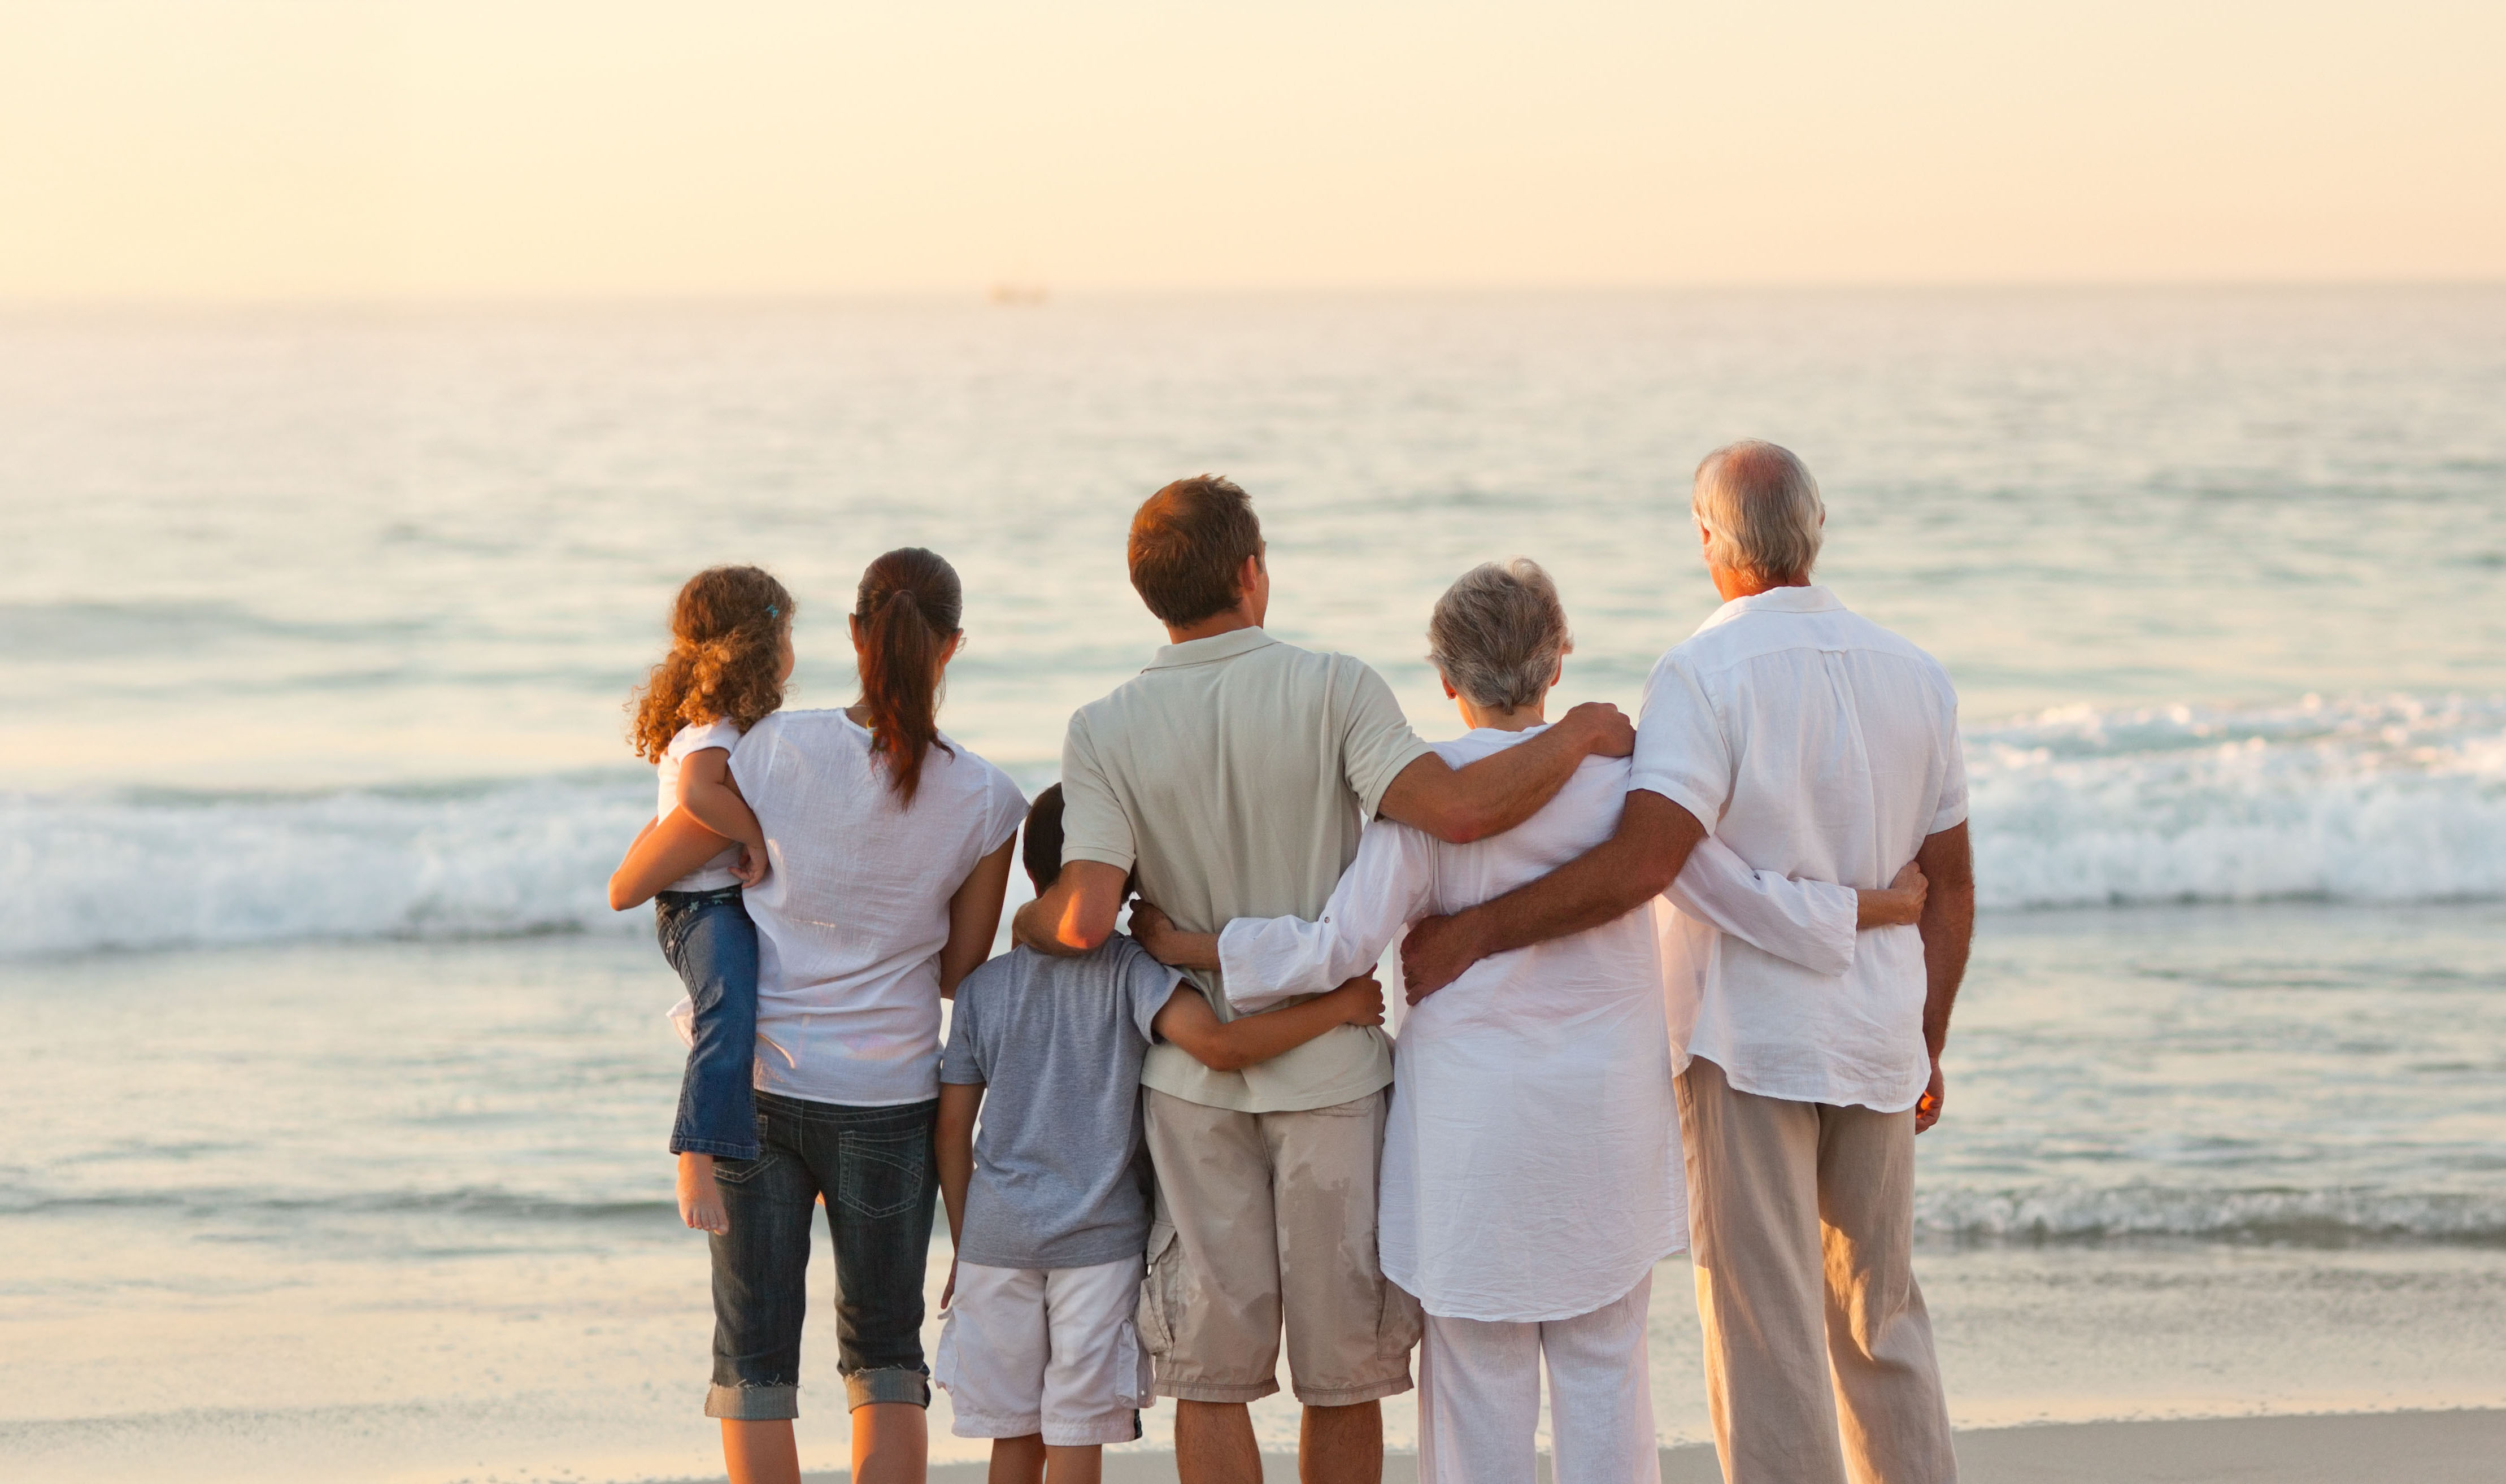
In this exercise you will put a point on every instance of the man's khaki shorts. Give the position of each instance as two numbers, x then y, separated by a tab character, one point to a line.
1262	1218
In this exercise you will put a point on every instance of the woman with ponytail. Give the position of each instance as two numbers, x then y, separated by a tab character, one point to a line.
889	852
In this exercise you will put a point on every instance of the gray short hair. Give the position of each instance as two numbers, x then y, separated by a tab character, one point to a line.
1760	512
1498	633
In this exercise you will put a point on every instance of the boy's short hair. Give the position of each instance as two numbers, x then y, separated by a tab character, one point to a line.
1041	850
1187	541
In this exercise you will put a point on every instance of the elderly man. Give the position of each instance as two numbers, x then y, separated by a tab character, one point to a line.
1817	745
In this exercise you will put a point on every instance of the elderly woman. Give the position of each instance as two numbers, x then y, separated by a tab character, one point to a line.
1531	1163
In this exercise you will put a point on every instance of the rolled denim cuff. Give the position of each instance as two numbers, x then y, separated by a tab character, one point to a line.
910	1385
754	1404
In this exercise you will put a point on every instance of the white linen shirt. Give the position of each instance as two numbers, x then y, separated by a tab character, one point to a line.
1532	1159
1815	744
854	910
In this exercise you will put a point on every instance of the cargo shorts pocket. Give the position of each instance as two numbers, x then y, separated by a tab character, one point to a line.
1399	1321
1134	1382
943	1361
1160	1302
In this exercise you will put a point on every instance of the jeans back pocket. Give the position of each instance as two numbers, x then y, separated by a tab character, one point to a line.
883	1174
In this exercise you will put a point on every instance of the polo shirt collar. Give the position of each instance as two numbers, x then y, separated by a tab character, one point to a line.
1815	598
1217	646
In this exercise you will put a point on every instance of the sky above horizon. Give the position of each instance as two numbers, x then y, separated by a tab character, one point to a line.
322	149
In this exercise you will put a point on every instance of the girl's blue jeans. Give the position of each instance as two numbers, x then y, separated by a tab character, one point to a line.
708	938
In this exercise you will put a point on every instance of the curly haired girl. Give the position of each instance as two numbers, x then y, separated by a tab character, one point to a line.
731	652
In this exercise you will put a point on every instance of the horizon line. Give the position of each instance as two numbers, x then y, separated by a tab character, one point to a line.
1029	293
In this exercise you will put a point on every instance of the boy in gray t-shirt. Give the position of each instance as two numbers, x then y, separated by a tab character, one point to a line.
1049	1207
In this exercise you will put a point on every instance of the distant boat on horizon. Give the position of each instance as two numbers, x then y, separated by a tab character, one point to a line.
1011	293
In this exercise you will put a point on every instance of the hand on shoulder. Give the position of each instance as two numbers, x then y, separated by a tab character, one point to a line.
1609	732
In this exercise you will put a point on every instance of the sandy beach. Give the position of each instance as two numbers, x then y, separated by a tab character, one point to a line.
2457	1447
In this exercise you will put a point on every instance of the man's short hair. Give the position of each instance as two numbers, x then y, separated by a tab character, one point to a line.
1189	541
1760	511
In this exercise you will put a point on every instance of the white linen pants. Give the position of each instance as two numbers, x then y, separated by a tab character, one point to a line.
1478	1398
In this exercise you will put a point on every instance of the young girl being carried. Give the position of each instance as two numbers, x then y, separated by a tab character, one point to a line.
731	652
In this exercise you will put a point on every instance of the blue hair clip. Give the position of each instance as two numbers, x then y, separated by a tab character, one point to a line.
773	611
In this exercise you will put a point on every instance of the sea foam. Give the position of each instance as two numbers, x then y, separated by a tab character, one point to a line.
155	871
2399	799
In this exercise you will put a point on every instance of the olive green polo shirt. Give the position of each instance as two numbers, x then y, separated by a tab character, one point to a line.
1234	773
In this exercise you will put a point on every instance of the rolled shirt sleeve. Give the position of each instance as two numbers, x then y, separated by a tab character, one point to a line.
1268	960
1809	923
1094	826
1376	740
1680	751
1951	811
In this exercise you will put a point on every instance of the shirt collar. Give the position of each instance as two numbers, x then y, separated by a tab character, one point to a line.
1217	646
1815	598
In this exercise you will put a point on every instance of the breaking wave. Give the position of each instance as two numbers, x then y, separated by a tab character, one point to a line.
160	870
2389	800
2286	1217
2392	799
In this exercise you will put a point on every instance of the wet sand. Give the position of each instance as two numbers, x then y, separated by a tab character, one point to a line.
2459	1447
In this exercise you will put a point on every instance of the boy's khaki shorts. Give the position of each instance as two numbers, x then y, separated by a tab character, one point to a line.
1264	1219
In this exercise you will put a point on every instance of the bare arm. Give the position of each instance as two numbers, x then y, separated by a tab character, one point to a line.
1948	926
1227	1046
1652	842
1169	945
975	917
955	1152
1898	904
1075	913
707	790
1502	789
664	852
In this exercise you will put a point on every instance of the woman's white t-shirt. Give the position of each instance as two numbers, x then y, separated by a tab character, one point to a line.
854	910
716	874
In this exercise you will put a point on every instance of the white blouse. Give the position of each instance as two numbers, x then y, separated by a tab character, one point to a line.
1531	1163
852	916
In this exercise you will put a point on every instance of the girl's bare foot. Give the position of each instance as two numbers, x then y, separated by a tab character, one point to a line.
700	1196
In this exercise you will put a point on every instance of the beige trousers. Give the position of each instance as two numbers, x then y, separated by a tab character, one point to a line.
1263	1221
1803	1235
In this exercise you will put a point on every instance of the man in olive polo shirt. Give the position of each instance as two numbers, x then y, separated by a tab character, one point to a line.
1233	774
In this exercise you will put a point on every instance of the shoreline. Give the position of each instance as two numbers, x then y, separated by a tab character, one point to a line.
2460	1446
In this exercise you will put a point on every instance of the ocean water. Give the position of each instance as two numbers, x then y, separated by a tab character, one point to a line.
337	1096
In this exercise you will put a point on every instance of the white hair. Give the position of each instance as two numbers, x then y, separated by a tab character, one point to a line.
1498	633
1760	511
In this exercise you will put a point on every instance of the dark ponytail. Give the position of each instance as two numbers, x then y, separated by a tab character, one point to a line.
905	616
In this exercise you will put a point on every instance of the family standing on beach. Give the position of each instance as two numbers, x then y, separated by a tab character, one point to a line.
1677	986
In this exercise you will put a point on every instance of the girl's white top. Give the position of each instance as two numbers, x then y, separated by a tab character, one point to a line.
1531	1164
854	908
714	874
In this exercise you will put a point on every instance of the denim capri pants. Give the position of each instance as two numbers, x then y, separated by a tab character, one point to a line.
875	1166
